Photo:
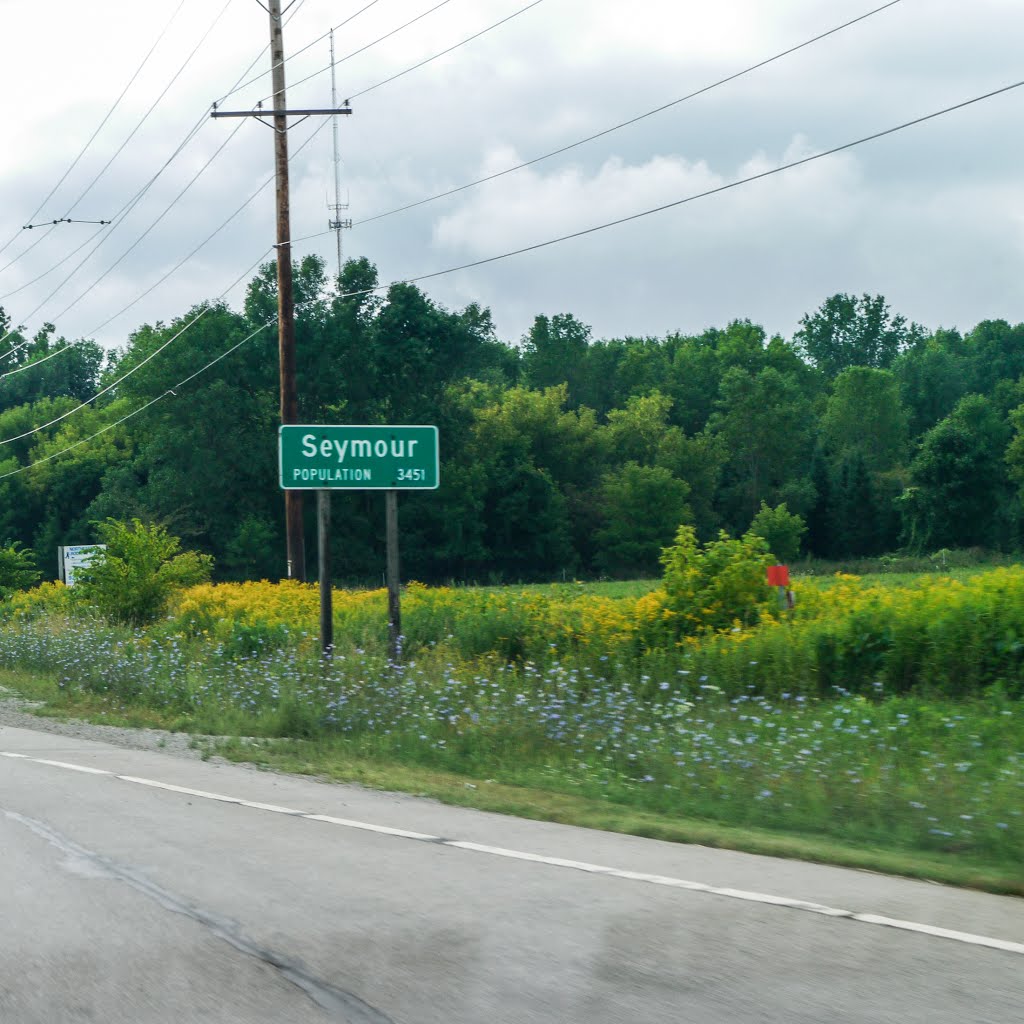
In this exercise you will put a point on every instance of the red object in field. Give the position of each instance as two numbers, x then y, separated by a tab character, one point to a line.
778	575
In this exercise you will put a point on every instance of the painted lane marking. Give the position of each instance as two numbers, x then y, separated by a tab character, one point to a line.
383	830
73	767
965	938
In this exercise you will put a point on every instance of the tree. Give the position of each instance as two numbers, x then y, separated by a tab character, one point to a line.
17	569
959	480
636	433
781	529
864	416
554	351
765	421
642	507
932	378
847	331
994	352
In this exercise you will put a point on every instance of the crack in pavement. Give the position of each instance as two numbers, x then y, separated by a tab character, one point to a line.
344	1006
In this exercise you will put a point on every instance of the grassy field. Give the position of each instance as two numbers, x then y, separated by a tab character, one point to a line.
879	725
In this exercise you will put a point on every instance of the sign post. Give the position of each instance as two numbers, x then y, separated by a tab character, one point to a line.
359	458
323	523
394	592
778	576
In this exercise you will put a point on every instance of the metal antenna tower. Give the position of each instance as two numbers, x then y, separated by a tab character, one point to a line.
337	224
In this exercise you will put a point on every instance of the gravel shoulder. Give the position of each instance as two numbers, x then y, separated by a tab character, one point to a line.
16	713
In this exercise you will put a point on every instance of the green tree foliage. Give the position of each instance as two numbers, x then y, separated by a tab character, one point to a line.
766	423
641	508
864	416
714	586
959	480
133	580
17	569
847	331
566	454
932	378
782	531
636	433
554	352
994	351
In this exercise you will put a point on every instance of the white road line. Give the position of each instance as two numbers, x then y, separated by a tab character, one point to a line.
363	826
877	920
74	767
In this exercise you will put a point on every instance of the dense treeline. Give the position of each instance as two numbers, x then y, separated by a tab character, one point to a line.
562	454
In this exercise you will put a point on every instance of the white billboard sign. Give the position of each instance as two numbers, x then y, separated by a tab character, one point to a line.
73	557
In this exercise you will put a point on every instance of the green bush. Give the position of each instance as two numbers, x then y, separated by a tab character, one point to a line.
713	587
782	529
17	570
132	581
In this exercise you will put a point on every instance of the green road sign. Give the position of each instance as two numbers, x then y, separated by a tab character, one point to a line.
358	458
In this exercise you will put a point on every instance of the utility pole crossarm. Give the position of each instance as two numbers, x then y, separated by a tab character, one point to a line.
278	113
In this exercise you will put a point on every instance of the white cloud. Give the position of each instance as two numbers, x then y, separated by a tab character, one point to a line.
933	218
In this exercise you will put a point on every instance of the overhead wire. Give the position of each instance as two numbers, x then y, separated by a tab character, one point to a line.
138	366
631	121
156	102
92	138
771	172
123	213
576	234
363	49
444	53
127	209
130	205
142	408
156	284
290	57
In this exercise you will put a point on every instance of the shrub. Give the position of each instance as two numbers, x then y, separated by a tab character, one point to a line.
17	569
783	530
716	586
133	580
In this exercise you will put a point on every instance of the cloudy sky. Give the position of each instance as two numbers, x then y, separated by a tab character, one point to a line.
933	217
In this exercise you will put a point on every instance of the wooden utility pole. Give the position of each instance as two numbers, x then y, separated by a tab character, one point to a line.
296	547
285	295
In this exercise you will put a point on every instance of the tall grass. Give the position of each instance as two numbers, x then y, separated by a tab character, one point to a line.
881	716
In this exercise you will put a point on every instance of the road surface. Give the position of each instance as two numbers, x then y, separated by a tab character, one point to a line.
136	887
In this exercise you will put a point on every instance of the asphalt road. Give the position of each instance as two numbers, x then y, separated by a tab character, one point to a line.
124	901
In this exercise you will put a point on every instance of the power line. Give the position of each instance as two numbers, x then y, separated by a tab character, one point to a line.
319	39
422	63
688	199
444	53
156	102
26	251
134	201
251	197
142	408
156	284
92	138
531	248
117	220
121	215
363	49
134	369
630	121
142	237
